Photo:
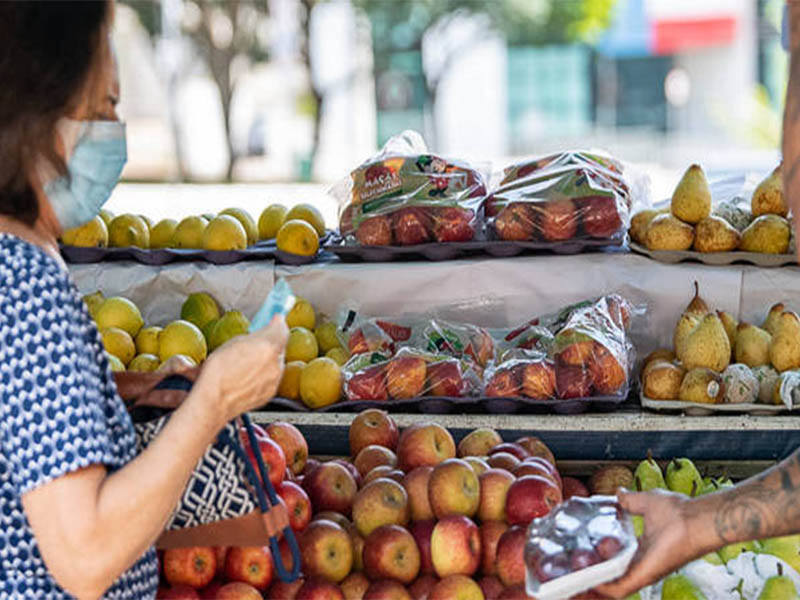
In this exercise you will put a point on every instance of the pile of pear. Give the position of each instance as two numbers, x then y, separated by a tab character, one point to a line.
688	223
715	359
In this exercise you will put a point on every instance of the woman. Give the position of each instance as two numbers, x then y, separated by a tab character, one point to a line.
79	510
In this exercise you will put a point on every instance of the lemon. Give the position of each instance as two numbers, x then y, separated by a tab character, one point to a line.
271	220
297	237
147	340
107	216
93	234
246	221
200	308
301	315
119	312
209	327
231	324
116	364
327	337
144	363
189	233
340	355
128	230
147	221
309	214
208	216
119	343
302	345
93	302
320	383
224	233
290	382
182	337
187	362
161	235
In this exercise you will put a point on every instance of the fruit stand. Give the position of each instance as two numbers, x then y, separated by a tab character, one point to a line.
489	293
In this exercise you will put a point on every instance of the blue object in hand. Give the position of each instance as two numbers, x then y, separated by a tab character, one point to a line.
279	302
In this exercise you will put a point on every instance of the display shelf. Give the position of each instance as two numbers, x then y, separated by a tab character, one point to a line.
613	436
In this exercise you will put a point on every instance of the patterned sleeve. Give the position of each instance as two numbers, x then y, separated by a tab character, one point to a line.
51	422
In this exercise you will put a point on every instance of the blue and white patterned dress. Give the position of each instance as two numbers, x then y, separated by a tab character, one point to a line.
59	412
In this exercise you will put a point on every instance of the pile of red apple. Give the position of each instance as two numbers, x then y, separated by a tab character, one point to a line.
409	515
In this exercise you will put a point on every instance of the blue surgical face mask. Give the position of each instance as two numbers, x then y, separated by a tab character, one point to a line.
95	154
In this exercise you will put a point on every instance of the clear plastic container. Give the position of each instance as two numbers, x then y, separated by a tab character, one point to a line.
582	543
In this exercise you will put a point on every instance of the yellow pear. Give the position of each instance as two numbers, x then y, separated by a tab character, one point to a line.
703	386
752	345
770	324
691	200
665	232
730	324
640	222
692	314
715	234
768	196
784	351
708	346
768	234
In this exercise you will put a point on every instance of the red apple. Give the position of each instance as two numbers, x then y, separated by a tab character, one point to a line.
351	468
453	489
422	531
511	448
453	224
546	465
416	485
573	381
178	592
514	592
455	546
381	502
271	453
249	564
390	552
424	444
559	219
372	427
372	456
411	226
194	566
491	531
608	547
494	485
573	487
327	551
515	222
368	384
311	464
221	553
536	447
405	377
491	587
445	379
510	562
298	504
292	442
354	586
600	216
331	487
211	591
238	590
284	591
529	497
581	558
503	460
422	586
526	468
317	588
386	589
386	472
331	515
505	383
375	231
456	587
478	442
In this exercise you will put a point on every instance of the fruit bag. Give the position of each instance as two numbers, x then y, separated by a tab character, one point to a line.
407	375
459	340
406	196
582	543
572	197
579	352
360	334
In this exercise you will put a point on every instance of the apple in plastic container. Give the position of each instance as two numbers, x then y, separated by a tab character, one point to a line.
412	225
368	384
515	222
558	219
505	383
445	379
600	215
405	377
573	382
375	231
453	224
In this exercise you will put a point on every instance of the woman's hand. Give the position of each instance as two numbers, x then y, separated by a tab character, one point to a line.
245	372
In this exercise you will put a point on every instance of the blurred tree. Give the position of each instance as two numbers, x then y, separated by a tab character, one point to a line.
227	34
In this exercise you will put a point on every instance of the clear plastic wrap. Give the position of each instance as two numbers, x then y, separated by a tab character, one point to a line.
406	196
459	340
582	543
560	198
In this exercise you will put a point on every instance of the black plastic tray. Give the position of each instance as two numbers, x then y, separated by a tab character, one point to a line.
452	250
265	250
447	404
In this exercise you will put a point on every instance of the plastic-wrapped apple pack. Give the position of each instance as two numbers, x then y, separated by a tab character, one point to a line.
407	375
460	340
571	196
582	543
360	334
406	196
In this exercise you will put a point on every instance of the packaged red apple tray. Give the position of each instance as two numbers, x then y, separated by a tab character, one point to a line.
563	202
581	544
406	201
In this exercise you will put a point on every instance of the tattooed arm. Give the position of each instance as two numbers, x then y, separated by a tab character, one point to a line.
679	529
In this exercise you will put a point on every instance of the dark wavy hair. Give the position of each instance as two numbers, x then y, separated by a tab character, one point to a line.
47	52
